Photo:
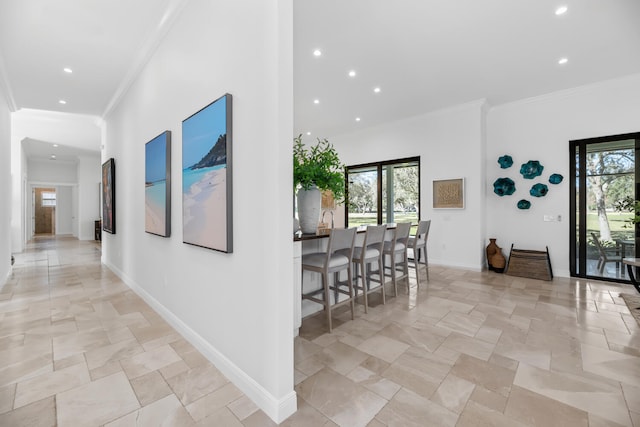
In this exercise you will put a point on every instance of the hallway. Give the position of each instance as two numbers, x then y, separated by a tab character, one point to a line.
77	347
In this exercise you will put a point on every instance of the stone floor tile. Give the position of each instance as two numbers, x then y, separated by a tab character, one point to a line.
37	414
409	409
537	410
340	399
466	348
150	387
212	402
97	402
50	384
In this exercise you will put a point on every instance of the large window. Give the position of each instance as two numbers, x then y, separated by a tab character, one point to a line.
383	192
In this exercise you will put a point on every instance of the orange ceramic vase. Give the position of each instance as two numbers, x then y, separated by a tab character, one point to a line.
498	261
492	248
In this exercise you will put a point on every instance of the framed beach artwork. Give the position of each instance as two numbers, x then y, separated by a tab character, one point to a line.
206	177
109	196
157	192
448	194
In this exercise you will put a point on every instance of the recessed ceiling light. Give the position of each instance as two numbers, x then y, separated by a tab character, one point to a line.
55	145
357	119
562	61
308	133
561	10
317	52
352	73
68	70
62	101
376	90
53	156
316	101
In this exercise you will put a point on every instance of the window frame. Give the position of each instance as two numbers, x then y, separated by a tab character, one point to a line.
51	201
378	166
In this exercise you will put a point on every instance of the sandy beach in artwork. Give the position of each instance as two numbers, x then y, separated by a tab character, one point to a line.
154	211
204	211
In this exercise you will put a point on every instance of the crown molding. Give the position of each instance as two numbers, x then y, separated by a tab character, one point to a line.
565	93
145	53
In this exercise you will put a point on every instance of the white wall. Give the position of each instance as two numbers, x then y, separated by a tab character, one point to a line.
236	308
5	189
450	144
73	130
540	129
73	216
55	171
89	175
75	205
18	190
64	209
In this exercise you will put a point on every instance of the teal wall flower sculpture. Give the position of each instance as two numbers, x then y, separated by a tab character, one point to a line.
539	190
505	161
556	178
531	169
504	187
524	204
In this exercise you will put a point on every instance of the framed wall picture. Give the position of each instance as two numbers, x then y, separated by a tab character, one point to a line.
206	177
157	192
109	196
448	194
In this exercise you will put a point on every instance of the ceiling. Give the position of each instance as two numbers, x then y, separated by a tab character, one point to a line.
424	55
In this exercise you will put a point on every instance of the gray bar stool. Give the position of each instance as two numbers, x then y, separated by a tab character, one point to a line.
418	244
363	256
338	257
394	248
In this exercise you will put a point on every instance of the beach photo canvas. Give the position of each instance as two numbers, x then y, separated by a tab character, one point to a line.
206	177
157	192
109	196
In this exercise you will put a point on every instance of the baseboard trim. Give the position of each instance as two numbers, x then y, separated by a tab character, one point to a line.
277	409
468	267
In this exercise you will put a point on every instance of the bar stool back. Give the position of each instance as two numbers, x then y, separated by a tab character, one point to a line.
394	248
338	257
364	256
418	244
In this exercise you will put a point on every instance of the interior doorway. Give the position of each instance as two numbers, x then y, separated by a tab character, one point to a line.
44	211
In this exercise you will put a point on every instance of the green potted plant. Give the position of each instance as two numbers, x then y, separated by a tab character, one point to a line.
315	169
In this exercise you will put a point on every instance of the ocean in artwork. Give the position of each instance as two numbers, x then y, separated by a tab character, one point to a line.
204	206
190	177
204	177
155	202
156	191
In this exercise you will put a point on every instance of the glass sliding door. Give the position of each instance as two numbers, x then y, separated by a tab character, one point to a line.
604	189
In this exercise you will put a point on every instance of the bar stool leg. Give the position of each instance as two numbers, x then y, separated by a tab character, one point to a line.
351	293
393	274
365	287
382	281
327	300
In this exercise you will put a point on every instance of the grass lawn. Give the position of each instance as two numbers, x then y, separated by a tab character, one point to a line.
371	218
620	229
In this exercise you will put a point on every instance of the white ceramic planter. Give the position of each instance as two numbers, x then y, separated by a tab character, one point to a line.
309	202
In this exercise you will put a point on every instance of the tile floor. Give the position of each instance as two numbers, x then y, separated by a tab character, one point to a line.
77	348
